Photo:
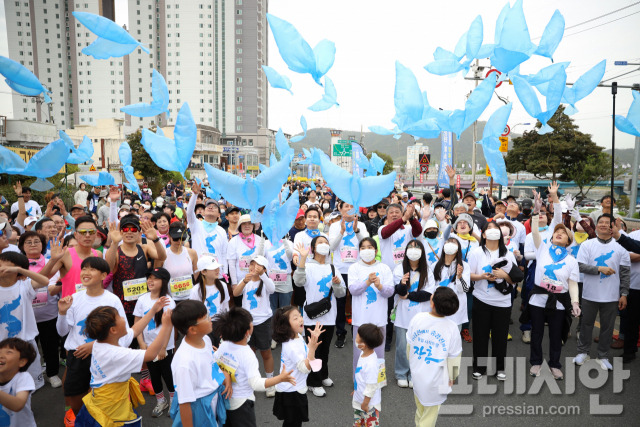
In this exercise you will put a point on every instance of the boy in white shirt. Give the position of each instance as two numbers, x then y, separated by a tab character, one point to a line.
434	351
367	399
237	360
16	356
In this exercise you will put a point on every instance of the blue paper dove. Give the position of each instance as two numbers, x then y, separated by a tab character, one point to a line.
585	84
283	146
297	53
313	156
10	162
631	123
41	185
112	41
277	80
48	161
173	154
160	103
79	155
355	190
551	36
103	178
491	143
512	43
124	152
277	219
20	79
303	124
529	99
329	99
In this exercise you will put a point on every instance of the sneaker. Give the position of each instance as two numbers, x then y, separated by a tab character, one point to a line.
526	337
410	384
617	343
509	337
145	385
628	357
69	418
55	381
403	383
161	406
271	391
501	376
63	362
327	382
318	391
466	336
340	341
557	374
581	358
273	345
605	364
476	375
535	370
596	339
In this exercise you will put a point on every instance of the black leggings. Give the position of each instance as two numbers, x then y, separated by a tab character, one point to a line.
161	370
314	379
49	341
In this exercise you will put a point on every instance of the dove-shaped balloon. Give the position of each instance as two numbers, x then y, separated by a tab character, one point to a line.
160	103
103	178
312	157
20	79
354	190
210	192
491	143
529	99
79	155
126	156
277	219
303	123
513	44
329	99
283	146
582	87
551	36
277	80
48	161
41	185
10	162
381	130
631	123
173	154
113	40
250	193
296	52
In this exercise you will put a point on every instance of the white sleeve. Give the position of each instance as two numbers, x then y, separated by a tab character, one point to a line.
62	325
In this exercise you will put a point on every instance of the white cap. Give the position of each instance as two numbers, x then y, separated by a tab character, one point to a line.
159	202
5	227
432	224
30	220
260	260
244	218
208	263
405	194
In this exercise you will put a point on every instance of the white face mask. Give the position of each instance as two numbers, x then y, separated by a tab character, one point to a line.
414	254
322	249
450	248
492	234
367	255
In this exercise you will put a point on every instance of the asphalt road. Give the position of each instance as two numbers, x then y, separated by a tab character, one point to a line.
477	403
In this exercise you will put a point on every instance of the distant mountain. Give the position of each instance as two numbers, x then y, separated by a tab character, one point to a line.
623	155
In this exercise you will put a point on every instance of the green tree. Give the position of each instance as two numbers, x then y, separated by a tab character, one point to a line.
155	176
588	172
388	166
554	153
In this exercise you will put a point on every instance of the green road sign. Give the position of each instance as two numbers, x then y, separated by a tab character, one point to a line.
342	149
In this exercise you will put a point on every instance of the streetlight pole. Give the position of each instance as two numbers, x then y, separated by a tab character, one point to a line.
476	74
614	91
634	178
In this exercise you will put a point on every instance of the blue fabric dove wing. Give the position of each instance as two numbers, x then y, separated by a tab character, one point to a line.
329	99
513	43
20	79
173	154
631	123
124	152
41	185
112	41
585	84
551	36
277	219
277	80
103	178
10	162
303	123
79	155
491	143
313	156
160	103
283	146
48	161
529	99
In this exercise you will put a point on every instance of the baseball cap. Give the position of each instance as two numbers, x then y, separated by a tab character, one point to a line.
528	203
160	273
130	220
405	194
5	227
30	220
232	210
500	202
74	207
244	218
470	194
208	263
300	213
211	202
431	224
260	260
178	232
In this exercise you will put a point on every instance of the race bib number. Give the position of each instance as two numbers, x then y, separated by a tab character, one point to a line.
181	286
228	365
80	287
134	289
348	254
41	298
398	256
244	263
278	277
382	374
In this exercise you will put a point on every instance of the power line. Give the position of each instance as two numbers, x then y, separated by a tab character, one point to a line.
600	25
602	16
620	75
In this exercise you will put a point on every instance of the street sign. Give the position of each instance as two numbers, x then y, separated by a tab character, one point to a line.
342	148
92	168
488	172
507	130
425	159
504	144
230	149
493	70
458	181
424	168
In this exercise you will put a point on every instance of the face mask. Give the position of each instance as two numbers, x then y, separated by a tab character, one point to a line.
492	234
543	228
322	249
526	211
367	255
414	254
431	234
450	248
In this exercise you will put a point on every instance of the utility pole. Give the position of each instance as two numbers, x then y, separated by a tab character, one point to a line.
634	178
476	74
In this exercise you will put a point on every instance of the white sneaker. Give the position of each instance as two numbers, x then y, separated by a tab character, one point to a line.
605	364
55	381
327	382
403	383
271	391
318	391
273	345
501	376
526	337
410	384
535	370
581	358
161	406
476	375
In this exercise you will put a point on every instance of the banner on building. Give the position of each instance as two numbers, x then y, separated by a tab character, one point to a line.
356	154
446	158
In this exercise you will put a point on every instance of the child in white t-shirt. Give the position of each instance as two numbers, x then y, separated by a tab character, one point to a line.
291	405
236	359
367	399
16	356
200	385
114	392
434	348
159	368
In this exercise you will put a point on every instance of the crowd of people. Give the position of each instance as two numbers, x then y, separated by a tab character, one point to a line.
187	291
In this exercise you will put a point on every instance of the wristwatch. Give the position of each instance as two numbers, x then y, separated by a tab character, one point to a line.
156	240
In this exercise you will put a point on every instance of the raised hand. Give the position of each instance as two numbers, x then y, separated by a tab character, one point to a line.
459	270
148	230
57	250
159	304
166	316
64	304
304	252
450	171
195	188
17	187
114	233
553	187
286	377
441	214
537	203
570	202
114	194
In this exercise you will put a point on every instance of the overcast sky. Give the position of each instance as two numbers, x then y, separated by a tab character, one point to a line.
371	35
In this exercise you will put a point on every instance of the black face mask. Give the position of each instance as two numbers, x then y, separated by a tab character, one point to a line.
526	211
431	234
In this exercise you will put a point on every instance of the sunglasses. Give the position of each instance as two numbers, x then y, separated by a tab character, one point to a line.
129	229
87	231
